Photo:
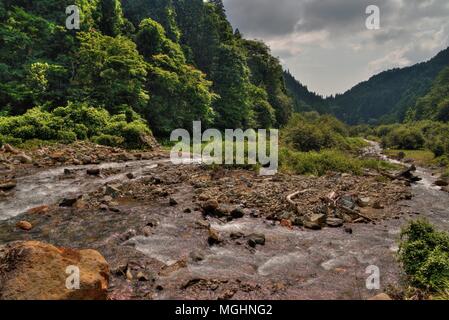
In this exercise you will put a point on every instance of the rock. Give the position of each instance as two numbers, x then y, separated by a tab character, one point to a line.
38	210
334	222
104	207
364	202
38	271
236	235
381	297
10	149
23	158
153	223
287	224
347	201
210	206
197	255
107	199
378	205
24	225
441	183
8	185
93	172
112	191
214	237
187	210
143	277
348	230
256	239
130	175
315	221
445	189
298	221
237	213
68	202
172	202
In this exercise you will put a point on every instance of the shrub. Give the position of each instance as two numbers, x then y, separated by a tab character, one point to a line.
424	254
108	140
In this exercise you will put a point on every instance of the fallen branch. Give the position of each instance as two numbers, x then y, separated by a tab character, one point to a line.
291	196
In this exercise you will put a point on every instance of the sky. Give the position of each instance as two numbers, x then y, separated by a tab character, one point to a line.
326	45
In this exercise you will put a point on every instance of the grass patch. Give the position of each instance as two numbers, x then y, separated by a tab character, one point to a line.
424	255
319	163
421	157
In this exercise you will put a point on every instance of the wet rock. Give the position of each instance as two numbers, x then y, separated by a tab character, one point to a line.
298	221
187	210
144	277
153	223
93	172
347	201
364	202
237	213
197	255
214	237
68	202
441	183
172	202
24	225
8	185
381	296
104	207
38	210
130	175
236	235
334	222
445	189
348	230
26	264
256	239
315	221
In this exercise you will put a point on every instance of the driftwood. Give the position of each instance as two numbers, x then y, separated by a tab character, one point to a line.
295	194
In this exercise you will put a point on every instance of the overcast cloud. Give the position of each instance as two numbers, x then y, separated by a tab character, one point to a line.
326	45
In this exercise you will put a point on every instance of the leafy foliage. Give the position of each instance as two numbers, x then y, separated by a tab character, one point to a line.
424	254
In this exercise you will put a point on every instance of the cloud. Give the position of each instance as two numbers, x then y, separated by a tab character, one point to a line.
332	34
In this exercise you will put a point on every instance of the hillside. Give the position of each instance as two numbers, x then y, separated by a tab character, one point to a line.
384	98
164	63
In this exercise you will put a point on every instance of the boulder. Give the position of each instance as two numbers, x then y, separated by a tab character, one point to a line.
34	270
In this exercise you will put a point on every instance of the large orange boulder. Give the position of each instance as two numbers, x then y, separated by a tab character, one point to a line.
34	270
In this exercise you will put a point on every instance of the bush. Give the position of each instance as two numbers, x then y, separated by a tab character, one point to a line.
109	140
424	254
77	122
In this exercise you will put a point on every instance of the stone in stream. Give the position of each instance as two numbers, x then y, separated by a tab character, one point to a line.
315	221
441	183
38	210
93	172
256	239
130	175
197	255
214	237
334	222
24	225
445	189
68	202
172	202
237	213
27	264
8	185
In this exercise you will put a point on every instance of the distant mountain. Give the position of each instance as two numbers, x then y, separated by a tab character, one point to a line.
384	98
304	100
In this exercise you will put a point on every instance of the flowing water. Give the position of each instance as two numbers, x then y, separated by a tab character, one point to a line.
326	264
